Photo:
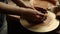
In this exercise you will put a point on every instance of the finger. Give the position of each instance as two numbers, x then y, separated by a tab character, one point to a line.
39	13
42	15
38	16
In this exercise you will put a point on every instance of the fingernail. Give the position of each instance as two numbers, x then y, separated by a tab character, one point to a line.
37	16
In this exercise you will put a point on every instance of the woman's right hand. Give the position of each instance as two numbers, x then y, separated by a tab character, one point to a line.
33	15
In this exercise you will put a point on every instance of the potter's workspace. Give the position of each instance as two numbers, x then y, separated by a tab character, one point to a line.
46	24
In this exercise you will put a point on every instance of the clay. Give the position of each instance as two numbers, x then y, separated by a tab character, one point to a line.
40	20
41	10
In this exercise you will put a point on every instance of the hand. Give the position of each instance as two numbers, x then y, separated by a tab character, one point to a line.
33	16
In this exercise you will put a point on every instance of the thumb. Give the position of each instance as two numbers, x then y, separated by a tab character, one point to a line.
41	14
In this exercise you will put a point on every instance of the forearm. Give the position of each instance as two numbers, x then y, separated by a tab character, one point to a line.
21	3
8	9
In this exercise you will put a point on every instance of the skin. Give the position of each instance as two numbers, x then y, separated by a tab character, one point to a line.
22	10
8	9
21	3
